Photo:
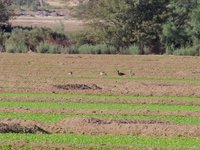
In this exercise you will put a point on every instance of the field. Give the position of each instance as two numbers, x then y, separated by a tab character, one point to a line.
70	25
43	106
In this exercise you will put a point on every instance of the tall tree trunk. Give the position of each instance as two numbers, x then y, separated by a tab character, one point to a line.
41	3
141	48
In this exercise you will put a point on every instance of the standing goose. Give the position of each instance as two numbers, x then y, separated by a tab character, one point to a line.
120	73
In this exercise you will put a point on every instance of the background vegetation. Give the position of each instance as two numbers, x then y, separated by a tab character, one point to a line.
125	27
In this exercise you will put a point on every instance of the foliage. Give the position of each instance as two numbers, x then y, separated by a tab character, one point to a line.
26	4
37	40
45	47
73	49
189	51
123	23
5	11
157	25
17	42
96	49
180	28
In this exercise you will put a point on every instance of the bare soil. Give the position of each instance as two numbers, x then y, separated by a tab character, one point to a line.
78	87
35	73
101	126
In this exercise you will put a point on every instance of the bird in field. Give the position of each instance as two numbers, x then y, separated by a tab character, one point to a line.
131	73
70	73
120	73
102	73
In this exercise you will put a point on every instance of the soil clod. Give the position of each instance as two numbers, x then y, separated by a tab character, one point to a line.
78	87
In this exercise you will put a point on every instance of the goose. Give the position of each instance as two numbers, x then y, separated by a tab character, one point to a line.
120	73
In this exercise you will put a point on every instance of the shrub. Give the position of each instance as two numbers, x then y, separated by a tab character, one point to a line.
133	50
84	38
70	50
20	40
96	49
45	47
191	51
16	43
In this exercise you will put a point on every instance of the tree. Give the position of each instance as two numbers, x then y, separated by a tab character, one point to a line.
122	23
144	19
5	12
41	3
104	19
182	25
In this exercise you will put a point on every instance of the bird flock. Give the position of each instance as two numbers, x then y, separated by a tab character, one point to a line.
119	73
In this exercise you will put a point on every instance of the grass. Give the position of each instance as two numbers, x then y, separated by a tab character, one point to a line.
135	142
99	106
95	96
53	118
142	79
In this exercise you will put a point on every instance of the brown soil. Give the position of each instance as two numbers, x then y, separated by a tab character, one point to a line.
124	127
102	126
103	100
78	87
35	73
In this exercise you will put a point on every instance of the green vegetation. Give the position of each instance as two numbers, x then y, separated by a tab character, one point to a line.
161	26
101	106
54	118
108	140
5	12
26	4
50	95
42	40
96	49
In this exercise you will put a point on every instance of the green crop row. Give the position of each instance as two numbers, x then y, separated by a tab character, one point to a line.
136	142
100	106
95	96
53	118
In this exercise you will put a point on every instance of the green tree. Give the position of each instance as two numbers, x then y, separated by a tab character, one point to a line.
5	12
122	23
182	25
144	19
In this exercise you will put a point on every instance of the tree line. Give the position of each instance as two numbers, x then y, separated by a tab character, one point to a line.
142	26
161	26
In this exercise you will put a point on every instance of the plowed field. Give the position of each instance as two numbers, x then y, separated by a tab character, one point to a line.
65	102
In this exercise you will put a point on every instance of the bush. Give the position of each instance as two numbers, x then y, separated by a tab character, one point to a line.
191	51
96	49
133	50
84	38
16	43
45	47
70	50
21	40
